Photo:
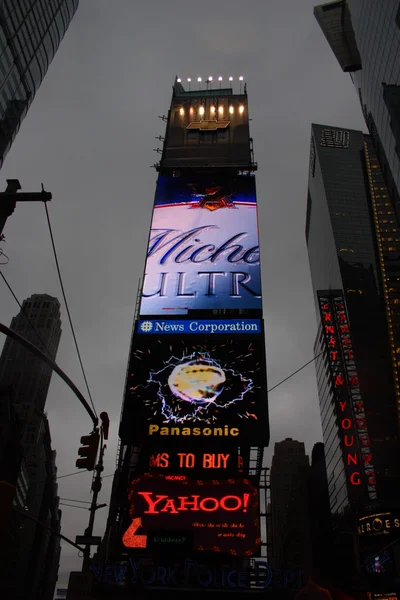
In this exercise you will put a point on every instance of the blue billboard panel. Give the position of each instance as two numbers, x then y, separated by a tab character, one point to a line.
221	326
203	251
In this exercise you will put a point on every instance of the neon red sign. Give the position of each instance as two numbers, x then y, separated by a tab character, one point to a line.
349	404
188	460
221	516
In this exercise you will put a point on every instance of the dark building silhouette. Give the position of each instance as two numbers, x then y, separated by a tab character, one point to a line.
291	543
25	382
325	555
30	34
364	36
353	246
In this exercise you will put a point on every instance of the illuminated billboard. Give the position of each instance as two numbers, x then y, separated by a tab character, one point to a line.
346	388
219	516
203	251
209	326
185	388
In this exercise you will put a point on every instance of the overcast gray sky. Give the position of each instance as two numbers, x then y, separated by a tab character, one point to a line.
89	137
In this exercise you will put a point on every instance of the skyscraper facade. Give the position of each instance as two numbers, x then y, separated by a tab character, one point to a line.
352	241
364	36
291	543
30	34
28	380
194	420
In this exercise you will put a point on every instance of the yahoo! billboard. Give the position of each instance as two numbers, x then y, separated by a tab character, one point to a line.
219	516
203	250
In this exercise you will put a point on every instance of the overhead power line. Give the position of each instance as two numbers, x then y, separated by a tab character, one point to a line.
71	500
295	372
73	506
66	305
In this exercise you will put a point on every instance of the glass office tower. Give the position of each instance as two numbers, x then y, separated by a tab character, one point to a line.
365	36
352	241
30	34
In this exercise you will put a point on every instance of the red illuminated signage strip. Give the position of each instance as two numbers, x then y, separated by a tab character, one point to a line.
349	403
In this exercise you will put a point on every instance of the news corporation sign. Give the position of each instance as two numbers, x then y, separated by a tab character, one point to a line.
205	327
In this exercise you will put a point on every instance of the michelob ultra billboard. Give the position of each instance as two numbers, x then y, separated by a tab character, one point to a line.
203	250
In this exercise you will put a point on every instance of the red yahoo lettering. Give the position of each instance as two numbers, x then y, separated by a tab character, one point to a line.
224	500
332	342
346	423
344	328
328	317
170	507
152	503
334	354
213	508
342	405
329	329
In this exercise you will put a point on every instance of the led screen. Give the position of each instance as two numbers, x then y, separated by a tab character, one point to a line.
219	516
203	250
188	388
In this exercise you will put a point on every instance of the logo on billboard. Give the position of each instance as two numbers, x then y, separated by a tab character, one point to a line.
220	515
214	388
197	327
203	251
145	326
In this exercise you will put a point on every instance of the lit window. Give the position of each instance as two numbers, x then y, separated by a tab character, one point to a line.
221	110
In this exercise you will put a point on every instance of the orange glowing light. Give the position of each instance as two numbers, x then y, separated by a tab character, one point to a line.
131	539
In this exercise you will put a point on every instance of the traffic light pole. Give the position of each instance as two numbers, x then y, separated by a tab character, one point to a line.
10	197
96	487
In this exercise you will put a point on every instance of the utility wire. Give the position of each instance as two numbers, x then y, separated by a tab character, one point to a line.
298	370
66	305
25	315
62	476
69	474
71	500
73	506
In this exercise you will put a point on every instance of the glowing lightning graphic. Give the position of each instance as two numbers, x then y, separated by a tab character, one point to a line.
200	411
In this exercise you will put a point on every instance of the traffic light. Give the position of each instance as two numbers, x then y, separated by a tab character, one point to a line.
88	451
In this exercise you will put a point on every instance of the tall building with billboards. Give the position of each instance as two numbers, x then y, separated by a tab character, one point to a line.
353	246
30	34
194	420
364	36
